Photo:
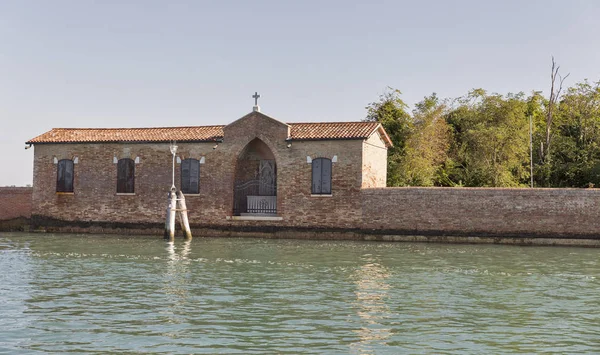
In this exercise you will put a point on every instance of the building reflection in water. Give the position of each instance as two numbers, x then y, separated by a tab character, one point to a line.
371	304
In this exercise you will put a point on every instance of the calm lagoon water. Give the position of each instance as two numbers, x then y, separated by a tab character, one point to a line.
102	294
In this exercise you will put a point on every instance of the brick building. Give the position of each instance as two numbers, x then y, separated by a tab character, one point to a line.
255	172
260	177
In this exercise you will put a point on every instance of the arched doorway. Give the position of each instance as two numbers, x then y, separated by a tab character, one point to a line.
255	187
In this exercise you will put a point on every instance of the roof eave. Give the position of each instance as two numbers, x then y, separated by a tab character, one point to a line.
384	135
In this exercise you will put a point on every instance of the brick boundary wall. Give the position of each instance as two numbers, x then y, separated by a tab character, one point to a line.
482	212
15	207
457	215
15	202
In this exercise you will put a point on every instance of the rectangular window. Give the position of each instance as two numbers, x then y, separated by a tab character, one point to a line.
64	176
321	176
126	176
190	176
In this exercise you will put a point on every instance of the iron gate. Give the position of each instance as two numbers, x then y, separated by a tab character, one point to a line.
255	197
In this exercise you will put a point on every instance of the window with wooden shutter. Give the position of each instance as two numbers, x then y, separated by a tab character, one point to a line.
190	176
126	176
64	176
321	176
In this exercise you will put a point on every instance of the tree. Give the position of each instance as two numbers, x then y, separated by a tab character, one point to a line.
391	112
555	91
427	145
491	140
536	104
576	156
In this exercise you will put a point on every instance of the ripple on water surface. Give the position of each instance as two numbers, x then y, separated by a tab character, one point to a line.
142	295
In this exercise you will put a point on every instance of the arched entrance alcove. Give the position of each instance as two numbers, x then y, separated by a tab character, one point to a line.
255	187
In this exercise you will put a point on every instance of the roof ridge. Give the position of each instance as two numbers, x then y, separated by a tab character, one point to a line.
123	128
207	126
332	122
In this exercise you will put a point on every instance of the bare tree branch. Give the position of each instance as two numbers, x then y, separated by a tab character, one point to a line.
552	101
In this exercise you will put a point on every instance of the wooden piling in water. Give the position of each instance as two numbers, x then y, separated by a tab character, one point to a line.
171	210
183	215
168	214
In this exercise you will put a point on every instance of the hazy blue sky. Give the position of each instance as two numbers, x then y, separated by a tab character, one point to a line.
168	63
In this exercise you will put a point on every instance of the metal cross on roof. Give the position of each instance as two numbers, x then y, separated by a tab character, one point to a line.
255	96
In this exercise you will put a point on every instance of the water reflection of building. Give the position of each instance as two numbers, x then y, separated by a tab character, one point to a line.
175	278
371	304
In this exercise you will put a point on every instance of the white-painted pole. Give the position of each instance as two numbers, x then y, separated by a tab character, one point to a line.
172	207
168	215
173	149
173	184
172	212
168	218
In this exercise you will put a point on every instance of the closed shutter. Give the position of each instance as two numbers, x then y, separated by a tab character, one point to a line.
126	176
190	176
194	176
185	176
130	184
64	176
321	176
326	177
316	176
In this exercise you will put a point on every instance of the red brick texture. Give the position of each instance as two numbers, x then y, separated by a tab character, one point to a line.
95	200
359	206
15	202
482	211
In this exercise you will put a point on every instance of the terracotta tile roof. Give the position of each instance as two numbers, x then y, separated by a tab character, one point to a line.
332	130
162	134
299	131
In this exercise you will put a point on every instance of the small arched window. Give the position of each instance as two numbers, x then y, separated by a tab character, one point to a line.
125	176
190	176
321	176
64	176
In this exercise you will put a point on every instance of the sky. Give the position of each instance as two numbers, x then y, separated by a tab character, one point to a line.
85	63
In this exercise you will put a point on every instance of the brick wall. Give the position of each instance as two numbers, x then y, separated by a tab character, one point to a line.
482	211
15	202
376	211
358	206
95	199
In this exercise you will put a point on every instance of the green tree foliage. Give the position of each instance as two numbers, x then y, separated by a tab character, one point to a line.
391	112
576	155
491	144
427	146
536	110
482	139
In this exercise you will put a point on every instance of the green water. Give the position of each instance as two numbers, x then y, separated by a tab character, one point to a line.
101	294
